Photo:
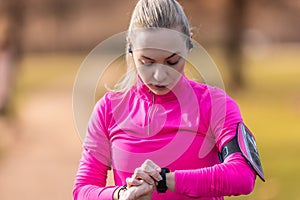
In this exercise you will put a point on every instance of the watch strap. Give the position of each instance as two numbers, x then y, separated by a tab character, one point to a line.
162	184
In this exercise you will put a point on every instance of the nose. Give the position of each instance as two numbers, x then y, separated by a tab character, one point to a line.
160	73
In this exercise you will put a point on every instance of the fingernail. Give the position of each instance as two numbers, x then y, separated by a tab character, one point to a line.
160	178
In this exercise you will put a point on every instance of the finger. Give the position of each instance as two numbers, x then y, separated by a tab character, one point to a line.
133	182
139	173
151	164
152	169
152	172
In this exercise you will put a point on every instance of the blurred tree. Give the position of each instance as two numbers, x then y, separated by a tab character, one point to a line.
11	20
235	28
60	8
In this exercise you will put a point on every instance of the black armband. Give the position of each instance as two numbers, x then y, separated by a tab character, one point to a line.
244	142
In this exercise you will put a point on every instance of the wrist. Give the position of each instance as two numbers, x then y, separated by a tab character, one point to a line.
119	192
170	179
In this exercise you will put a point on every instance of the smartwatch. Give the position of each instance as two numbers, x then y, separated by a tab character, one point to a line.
162	184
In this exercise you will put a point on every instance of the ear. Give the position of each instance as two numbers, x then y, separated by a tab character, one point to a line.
130	48
191	45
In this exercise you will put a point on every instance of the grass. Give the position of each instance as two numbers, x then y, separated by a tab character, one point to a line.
270	106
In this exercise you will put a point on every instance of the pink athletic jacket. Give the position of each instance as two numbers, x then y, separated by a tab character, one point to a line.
182	130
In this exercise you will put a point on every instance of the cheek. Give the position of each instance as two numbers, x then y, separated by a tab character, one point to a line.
174	75
180	67
176	72
145	73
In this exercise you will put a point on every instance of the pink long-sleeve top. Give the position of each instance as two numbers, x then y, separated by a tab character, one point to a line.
182	130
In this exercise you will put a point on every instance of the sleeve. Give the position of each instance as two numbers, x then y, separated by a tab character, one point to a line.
232	177
90	181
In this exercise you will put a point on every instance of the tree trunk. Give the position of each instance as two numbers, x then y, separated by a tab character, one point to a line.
11	20
234	51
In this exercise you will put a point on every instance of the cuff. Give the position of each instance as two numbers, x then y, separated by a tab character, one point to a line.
108	192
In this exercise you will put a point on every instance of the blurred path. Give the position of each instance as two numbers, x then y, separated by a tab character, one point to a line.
42	163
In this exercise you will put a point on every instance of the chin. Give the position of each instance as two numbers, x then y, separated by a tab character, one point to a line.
160	92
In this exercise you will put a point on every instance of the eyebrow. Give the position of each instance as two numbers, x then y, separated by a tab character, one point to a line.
174	54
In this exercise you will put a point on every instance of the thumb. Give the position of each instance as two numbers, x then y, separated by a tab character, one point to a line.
133	182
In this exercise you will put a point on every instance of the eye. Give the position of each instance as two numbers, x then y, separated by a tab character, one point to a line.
146	63
172	62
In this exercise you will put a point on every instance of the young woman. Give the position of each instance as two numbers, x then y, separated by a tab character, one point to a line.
161	133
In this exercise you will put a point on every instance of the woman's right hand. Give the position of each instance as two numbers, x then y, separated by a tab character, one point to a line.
143	182
140	191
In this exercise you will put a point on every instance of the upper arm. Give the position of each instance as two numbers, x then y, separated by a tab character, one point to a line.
225	116
97	138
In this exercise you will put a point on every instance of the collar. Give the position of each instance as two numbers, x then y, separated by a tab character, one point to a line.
145	93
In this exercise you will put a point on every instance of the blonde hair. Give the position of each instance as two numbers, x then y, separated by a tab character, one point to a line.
152	14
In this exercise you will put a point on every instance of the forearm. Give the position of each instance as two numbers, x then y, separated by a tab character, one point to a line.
90	182
92	192
233	177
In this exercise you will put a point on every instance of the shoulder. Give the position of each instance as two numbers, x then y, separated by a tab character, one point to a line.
207	91
110	96
111	99
214	96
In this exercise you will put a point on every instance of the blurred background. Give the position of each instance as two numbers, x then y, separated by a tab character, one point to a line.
255	44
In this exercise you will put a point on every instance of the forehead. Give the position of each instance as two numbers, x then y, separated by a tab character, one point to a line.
161	39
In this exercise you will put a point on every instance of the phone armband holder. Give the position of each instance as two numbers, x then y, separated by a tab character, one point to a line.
244	142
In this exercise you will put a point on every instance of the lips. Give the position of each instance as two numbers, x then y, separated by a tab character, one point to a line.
157	87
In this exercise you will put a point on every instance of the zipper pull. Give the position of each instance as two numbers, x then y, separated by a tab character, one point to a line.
149	112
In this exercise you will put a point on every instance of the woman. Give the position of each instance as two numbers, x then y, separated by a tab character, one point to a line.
161	133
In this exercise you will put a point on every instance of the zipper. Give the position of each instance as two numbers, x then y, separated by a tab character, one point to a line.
149	113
